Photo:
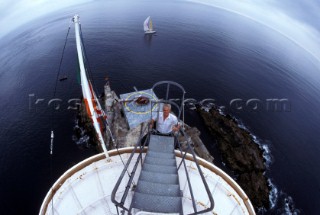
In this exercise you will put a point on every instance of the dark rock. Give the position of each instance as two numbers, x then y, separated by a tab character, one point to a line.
241	154
85	128
256	187
195	141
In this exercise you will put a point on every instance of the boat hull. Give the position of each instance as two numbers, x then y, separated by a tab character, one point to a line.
150	32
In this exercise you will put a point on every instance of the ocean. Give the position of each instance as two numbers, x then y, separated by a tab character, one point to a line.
266	81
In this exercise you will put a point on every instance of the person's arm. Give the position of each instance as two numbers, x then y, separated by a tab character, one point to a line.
151	123
176	127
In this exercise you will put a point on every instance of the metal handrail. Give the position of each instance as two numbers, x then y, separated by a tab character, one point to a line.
125	169
187	175
201	175
168	84
153	102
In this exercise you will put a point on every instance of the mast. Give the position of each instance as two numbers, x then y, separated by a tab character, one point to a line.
92	105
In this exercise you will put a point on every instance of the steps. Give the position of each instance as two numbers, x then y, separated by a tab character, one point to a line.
158	188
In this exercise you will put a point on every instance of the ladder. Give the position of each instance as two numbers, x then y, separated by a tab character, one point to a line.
158	188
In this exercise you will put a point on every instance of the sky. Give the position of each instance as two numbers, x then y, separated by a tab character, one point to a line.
18	12
298	20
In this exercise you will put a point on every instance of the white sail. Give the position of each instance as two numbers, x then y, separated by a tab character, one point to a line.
146	24
93	106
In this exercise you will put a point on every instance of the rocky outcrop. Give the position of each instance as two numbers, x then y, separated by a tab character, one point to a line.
83	133
241	154
193	136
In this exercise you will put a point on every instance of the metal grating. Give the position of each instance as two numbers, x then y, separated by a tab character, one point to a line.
158	188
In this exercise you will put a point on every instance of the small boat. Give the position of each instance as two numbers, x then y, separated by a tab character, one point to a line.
147	26
62	78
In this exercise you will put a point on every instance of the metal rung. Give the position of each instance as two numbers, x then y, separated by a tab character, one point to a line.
160	204
160	161
159	177
163	155
161	148
158	189
160	169
161	144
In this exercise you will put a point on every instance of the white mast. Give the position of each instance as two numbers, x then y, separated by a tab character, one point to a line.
92	104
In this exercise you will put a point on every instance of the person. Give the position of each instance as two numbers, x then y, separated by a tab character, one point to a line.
166	122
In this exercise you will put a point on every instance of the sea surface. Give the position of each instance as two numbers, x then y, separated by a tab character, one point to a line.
213	53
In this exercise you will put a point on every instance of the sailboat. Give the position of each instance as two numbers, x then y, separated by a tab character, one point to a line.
147	26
